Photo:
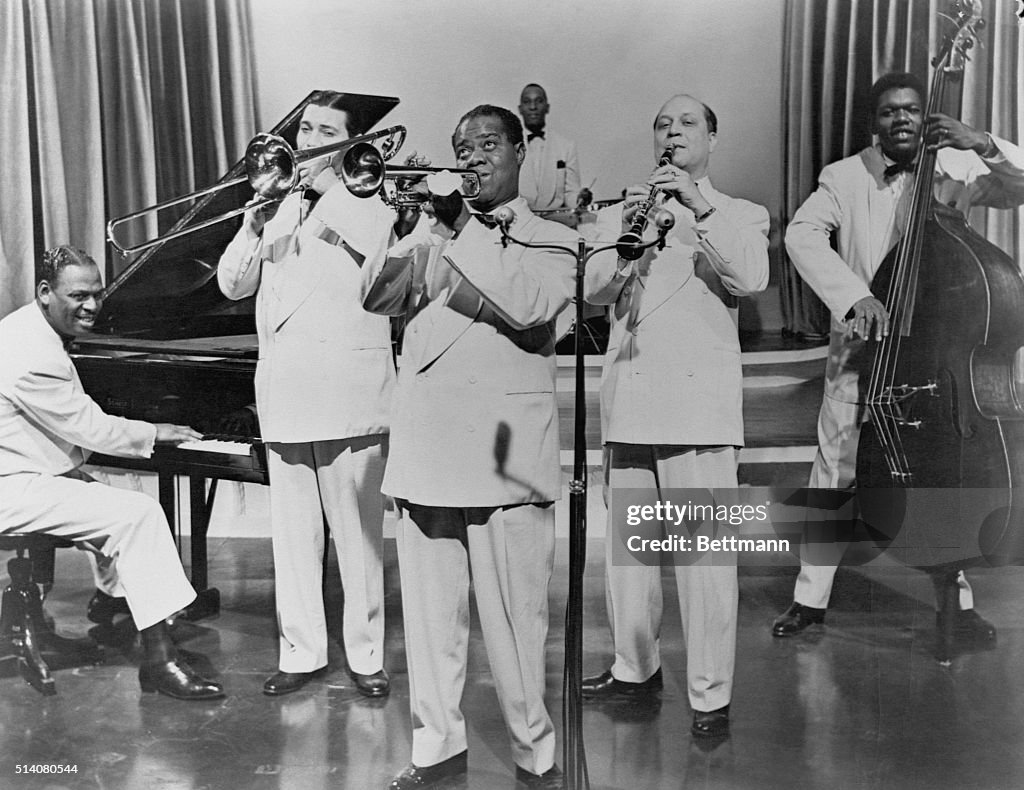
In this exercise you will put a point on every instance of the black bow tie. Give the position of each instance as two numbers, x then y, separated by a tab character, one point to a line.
531	135
311	195
896	168
487	220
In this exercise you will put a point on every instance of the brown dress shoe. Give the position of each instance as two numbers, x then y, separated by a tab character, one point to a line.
177	679
416	777
103	608
286	682
605	686
711	724
551	779
797	618
970	628
376	685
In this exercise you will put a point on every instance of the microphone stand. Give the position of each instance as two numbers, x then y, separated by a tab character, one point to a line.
574	757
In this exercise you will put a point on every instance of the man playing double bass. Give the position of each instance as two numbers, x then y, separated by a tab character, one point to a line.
864	200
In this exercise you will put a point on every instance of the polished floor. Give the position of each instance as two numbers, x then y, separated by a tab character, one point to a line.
860	704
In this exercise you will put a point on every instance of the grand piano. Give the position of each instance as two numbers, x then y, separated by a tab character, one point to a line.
169	347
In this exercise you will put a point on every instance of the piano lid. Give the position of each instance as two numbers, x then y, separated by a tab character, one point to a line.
170	291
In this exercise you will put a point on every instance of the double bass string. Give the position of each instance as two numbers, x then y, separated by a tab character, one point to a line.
884	397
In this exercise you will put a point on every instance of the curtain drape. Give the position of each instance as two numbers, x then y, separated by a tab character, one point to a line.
113	105
834	50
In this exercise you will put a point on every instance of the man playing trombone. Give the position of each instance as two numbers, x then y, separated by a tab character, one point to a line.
323	391
474	464
671	400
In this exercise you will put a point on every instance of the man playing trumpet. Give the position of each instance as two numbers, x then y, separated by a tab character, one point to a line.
323	391
474	465
671	401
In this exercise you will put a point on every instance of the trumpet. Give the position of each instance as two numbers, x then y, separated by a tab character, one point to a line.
272	170
364	173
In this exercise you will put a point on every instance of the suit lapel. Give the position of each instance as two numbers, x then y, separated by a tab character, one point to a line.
670	277
457	306
292	279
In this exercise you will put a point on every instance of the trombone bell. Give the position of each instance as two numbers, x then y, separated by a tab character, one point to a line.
271	165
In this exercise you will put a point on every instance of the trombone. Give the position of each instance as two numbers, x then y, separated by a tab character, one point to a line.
272	170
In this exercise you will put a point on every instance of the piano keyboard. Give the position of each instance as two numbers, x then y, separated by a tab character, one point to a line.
217	446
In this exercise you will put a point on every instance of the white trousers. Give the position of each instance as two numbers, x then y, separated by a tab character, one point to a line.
509	553
126	529
835	466
708	593
339	479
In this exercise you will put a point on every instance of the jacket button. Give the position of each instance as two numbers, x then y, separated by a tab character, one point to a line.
472	379
471	428
689	373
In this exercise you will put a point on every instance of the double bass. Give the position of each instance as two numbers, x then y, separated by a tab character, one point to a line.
940	464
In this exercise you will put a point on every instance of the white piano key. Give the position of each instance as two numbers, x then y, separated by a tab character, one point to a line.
217	446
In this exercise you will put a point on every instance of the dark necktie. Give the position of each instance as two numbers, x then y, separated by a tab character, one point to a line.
896	168
487	220
310	195
531	135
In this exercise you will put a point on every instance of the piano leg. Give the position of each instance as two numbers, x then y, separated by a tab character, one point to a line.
207	601
947	595
165	493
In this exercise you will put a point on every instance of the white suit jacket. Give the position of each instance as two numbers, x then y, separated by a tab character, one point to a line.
325	367
867	214
672	372
48	424
550	175
475	417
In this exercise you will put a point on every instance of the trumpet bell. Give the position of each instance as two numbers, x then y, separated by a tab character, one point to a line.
363	170
271	166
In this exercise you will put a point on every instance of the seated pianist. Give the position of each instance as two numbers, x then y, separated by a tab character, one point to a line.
48	427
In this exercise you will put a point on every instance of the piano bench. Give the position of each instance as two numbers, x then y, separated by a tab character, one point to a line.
26	636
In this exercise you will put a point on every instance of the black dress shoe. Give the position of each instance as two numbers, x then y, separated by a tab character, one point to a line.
415	777
376	685
551	779
971	628
797	618
604	686
103	608
286	682
710	724
177	679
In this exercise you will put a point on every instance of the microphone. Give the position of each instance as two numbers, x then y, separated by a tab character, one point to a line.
504	216
664	220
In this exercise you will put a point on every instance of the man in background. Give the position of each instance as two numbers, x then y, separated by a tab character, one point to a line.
550	177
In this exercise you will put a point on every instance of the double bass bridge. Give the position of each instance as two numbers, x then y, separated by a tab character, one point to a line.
901	392
894	404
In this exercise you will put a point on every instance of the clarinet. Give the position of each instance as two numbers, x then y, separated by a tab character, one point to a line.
629	243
